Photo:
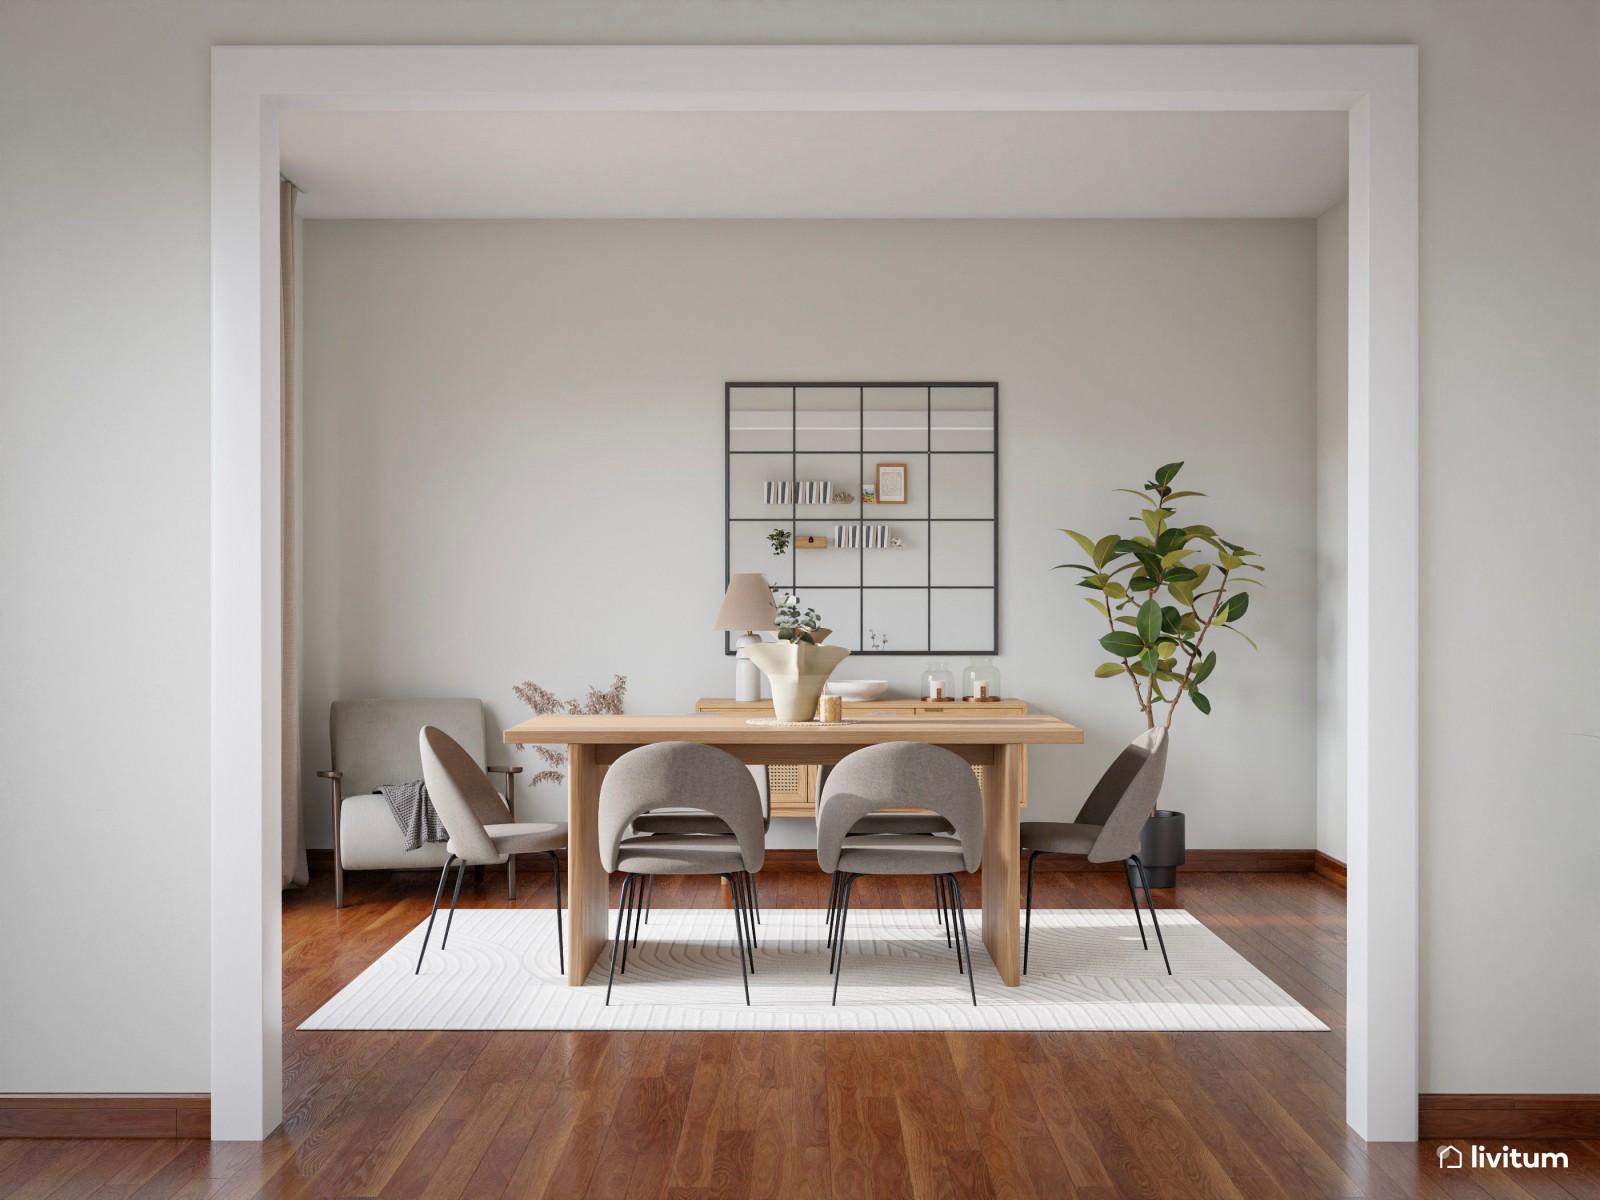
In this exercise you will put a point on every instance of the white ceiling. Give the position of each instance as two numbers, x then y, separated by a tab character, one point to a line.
848	164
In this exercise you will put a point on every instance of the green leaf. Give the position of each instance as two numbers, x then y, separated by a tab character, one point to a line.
1107	669
1122	643
1141	583
1166	649
1138	669
1179	575
1126	621
1073	567
1099	605
1207	665
1243	634
1181	495
1171	538
1155	520
1150	662
1230	562
1171	618
1150	563
1155	693
1201	570
1149	621
1191	623
1165	474
1115	590
1181	591
1104	548
1086	543
1200	701
1129	546
1234	607
1145	496
1166	675
1173	557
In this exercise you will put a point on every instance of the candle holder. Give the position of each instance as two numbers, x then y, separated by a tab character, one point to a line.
981	681
938	682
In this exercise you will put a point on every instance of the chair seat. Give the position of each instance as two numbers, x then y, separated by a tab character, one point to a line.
690	854
901	854
874	824
680	823
526	837
1059	837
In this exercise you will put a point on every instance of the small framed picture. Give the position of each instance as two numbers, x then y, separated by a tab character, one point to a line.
891	483
869	493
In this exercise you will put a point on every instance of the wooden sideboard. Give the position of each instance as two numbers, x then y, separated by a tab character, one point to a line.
793	786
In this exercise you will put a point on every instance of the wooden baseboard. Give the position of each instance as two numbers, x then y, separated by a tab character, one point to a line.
1330	868
1523	1115
105	1115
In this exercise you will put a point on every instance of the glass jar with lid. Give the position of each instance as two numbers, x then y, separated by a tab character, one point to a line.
938	682
981	680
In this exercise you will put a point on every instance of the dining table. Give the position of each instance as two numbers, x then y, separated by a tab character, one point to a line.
995	743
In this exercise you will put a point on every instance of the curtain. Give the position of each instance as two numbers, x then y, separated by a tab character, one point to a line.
295	871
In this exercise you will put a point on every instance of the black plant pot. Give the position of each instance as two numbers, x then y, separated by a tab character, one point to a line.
1161	848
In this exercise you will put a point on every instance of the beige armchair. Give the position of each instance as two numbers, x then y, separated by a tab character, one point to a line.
374	742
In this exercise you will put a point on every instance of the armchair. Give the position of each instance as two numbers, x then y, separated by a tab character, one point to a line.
374	742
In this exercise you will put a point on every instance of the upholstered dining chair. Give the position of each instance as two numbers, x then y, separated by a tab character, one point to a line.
470	810
900	775
688	822
876	824
675	775
1107	828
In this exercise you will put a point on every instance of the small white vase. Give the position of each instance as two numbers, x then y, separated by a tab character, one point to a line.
797	672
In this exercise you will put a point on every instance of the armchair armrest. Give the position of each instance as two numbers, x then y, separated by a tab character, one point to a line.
504	770
509	794
330	774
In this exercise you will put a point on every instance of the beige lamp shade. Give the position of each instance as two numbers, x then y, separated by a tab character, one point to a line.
747	606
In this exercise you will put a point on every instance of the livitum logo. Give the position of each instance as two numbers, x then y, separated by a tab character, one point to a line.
1450	1158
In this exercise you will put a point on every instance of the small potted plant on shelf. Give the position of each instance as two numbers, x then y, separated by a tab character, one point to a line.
780	541
1182	583
797	665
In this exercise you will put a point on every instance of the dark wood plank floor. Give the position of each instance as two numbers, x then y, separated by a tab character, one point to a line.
1095	1116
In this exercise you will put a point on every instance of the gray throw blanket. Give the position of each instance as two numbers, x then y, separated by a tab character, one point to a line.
414	813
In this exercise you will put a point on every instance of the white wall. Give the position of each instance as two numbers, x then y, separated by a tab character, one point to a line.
1333	291
514	435
103	487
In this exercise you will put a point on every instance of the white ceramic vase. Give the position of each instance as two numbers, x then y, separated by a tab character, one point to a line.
797	671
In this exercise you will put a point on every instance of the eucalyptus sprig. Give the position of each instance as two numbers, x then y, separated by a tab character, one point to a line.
1162	639
795	626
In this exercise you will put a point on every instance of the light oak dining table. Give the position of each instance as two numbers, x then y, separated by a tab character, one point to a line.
995	743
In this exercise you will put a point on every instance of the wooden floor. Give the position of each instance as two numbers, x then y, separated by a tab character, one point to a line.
793	1115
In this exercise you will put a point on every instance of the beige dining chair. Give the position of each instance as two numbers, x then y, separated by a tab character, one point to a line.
675	775
470	810
900	775
1107	828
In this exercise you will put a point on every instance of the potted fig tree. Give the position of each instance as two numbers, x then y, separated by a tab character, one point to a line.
1161	593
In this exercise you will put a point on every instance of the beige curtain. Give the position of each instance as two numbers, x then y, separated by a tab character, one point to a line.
295	871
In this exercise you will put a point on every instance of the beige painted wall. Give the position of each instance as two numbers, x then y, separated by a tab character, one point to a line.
514	452
104	338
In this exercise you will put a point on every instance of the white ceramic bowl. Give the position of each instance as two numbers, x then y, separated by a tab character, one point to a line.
857	689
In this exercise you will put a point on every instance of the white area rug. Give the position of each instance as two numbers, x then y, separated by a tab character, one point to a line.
1088	971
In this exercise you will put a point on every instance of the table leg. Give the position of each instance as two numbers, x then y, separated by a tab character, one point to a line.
588	884
1002	859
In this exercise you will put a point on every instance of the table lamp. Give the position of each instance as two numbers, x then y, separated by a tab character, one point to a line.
746	608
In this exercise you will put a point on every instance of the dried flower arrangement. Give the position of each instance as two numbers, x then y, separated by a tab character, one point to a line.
597	703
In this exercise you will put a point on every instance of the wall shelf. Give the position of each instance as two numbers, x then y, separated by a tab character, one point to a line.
936	591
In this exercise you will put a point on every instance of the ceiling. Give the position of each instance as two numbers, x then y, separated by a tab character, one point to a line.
810	164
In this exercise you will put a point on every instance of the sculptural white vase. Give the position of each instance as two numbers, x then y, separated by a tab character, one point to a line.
797	671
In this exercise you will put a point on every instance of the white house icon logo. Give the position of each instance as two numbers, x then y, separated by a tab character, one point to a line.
1449	1157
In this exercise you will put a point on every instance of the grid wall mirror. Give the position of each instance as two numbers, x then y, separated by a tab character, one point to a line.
876	503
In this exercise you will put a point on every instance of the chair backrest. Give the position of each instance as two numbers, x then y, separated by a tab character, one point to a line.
1125	796
375	741
462	795
900	775
681	775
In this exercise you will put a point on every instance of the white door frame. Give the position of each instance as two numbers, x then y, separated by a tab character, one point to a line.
252	85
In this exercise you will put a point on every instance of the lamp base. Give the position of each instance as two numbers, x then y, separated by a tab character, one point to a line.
746	675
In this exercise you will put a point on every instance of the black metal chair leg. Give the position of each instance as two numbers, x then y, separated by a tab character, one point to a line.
1127	874
951	895
629	908
755	897
944	908
961	912
738	929
835	894
1144	882
649	898
741	907
561	946
443	875
638	911
611	977
1027	921
454	896
844	917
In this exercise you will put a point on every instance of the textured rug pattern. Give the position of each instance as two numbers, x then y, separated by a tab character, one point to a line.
1088	971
